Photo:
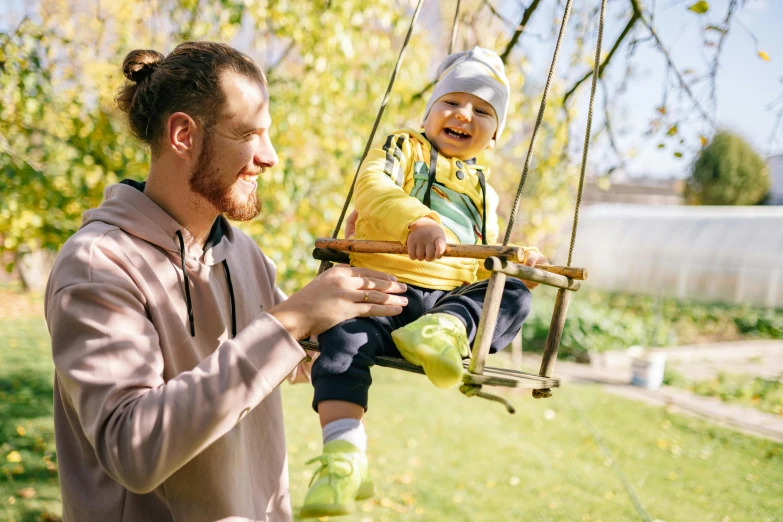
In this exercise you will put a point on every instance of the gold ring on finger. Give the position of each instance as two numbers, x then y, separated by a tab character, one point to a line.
366	296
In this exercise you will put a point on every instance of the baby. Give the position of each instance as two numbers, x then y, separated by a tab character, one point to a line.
424	190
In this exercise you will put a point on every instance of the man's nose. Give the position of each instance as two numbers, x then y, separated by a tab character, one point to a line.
265	155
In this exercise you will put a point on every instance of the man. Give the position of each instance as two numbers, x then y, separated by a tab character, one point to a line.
169	335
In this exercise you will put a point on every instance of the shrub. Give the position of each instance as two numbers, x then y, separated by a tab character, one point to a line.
728	172
599	321
764	394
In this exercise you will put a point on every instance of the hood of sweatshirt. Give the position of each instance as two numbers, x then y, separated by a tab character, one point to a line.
127	207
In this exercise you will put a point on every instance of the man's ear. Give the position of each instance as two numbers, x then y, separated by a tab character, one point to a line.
181	134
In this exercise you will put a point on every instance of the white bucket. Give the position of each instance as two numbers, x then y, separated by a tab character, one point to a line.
648	370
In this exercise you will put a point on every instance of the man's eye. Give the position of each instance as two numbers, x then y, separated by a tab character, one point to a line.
249	137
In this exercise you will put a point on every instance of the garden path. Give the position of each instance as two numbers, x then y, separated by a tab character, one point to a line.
759	358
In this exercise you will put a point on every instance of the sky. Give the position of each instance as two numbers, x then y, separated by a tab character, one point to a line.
747	85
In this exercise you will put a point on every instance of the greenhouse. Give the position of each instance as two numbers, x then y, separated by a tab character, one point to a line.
715	254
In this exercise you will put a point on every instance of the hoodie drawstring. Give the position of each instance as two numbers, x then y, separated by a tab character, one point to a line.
231	299
187	284
187	291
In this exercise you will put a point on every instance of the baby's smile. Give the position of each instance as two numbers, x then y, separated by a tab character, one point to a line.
456	133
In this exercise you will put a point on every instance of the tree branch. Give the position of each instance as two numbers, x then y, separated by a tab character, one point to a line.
5	146
520	28
713	75
282	58
639	16
608	125
662	48
499	15
776	125
635	17
424	91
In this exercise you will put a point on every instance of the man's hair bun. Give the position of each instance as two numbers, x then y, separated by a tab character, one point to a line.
140	64
186	80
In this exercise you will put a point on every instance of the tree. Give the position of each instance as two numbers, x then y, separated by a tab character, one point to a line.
328	64
728	172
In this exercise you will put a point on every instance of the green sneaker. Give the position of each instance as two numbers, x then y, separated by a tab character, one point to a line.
437	343
341	479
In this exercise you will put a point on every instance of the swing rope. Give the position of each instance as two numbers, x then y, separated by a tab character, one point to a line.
596	74
533	138
539	119
454	27
325	264
561	302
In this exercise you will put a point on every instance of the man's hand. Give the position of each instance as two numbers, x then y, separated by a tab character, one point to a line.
426	240
533	258
339	294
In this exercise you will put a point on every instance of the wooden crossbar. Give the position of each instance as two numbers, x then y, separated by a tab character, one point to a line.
512	253
528	273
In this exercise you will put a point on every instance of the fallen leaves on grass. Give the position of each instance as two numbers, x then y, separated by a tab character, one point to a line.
14	456
26	493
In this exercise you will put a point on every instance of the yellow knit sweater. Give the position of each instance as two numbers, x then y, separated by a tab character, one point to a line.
386	209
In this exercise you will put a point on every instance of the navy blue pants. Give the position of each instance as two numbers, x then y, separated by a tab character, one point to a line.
342	370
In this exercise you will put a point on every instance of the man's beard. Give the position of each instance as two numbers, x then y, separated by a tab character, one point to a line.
207	182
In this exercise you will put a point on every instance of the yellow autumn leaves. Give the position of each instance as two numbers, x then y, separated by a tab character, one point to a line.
14	457
701	7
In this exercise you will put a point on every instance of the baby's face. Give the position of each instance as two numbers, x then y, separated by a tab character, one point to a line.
461	125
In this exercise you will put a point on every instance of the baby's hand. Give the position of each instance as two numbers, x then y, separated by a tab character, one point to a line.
426	240
533	258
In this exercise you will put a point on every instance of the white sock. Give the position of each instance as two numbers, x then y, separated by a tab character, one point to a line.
349	430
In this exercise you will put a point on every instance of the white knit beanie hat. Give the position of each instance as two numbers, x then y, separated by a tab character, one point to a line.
479	72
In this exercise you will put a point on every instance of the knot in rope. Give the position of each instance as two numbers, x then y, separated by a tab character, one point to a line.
543	393
470	390
474	390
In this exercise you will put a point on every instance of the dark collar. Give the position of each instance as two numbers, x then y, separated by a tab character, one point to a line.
217	231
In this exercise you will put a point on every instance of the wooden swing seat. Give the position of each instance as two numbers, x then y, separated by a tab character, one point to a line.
505	377
499	260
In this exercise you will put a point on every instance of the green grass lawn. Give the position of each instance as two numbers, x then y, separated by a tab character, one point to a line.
29	490
438	456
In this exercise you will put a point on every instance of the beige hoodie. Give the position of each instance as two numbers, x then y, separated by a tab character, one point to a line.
152	423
